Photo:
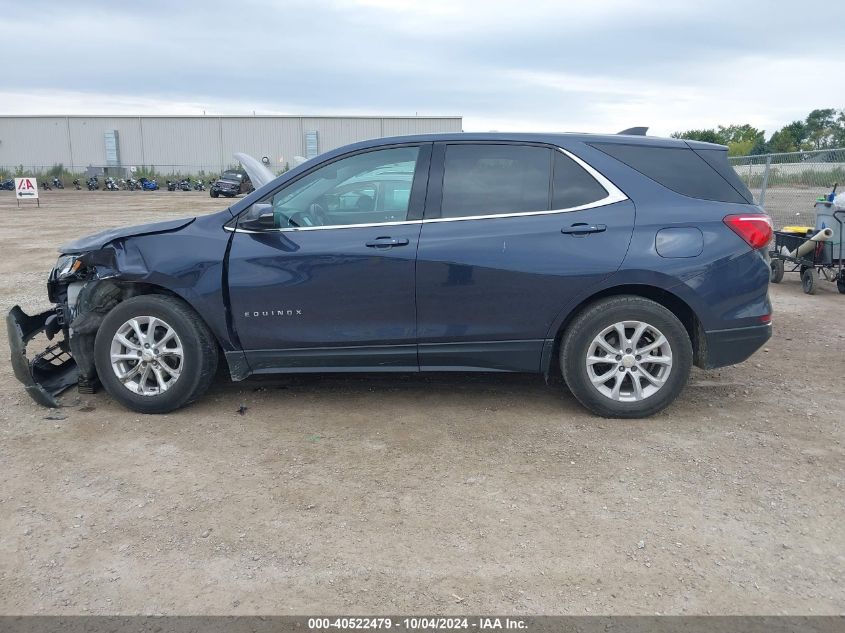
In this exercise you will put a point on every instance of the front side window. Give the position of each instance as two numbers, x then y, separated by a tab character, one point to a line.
495	179
369	188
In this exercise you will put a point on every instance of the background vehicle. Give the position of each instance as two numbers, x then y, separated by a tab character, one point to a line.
92	183
58	184
231	184
466	252
149	184
8	184
110	185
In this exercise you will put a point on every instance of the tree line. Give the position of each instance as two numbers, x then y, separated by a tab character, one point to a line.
822	129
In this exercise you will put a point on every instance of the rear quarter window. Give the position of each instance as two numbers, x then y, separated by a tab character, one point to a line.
682	170
572	185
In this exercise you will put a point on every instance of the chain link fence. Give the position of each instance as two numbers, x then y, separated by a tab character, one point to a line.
69	173
787	185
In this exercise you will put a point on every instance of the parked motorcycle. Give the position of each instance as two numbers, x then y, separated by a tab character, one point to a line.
45	186
8	184
171	185
132	184
58	184
185	184
93	183
199	185
149	184
76	184
111	185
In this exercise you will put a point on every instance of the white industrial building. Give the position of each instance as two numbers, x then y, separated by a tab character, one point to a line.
189	144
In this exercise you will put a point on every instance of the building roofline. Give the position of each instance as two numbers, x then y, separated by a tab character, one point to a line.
225	116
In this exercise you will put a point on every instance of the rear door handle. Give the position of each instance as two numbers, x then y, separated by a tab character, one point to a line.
582	228
387	242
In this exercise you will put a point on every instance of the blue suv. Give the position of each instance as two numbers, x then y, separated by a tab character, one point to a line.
618	260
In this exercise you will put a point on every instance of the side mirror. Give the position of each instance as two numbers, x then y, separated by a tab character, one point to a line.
260	217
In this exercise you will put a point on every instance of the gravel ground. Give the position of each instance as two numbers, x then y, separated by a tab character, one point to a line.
441	493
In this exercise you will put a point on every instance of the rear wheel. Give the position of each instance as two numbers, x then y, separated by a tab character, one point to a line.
776	275
153	354
808	280
626	357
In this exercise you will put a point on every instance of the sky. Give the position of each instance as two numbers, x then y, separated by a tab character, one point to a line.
591	66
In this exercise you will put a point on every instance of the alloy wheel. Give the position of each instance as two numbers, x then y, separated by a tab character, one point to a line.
629	361
147	355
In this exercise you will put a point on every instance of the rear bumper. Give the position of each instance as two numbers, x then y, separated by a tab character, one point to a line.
729	347
49	372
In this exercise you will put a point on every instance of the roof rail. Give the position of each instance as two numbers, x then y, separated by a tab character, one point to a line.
635	131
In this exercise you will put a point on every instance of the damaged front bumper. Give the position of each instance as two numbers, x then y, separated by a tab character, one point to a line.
50	372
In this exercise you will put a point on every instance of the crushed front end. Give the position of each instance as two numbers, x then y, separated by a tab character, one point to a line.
49	372
68	358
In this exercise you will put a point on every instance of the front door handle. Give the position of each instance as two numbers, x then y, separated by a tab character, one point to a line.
387	242
582	228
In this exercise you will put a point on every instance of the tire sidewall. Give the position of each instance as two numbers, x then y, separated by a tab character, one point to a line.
604	314
161	307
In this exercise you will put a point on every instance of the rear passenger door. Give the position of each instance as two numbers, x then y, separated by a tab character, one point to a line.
511	233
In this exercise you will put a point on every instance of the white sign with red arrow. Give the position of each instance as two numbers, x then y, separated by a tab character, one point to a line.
26	188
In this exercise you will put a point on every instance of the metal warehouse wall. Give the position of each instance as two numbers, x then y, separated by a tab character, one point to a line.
190	143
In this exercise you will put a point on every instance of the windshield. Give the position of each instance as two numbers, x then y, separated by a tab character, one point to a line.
231	175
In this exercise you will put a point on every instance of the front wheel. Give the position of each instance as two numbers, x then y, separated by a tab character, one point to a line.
153	354
626	357
808	280
777	271
213	193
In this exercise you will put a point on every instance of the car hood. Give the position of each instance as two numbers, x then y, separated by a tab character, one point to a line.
99	240
228	181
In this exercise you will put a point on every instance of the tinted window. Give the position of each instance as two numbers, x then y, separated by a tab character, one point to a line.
573	186
490	179
718	160
679	169
369	188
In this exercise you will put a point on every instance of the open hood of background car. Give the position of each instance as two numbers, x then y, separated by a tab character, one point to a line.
99	240
258	173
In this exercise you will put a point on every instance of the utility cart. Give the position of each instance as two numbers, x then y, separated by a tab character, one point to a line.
806	251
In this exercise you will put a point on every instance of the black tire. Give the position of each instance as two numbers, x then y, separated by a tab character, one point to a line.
602	314
200	356
213	193
808	280
840	286
776	275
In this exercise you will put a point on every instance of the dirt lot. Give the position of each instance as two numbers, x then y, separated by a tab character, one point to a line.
393	494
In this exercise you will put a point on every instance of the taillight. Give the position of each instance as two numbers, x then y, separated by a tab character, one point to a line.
754	228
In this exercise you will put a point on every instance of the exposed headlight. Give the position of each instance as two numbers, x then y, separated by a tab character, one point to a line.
67	265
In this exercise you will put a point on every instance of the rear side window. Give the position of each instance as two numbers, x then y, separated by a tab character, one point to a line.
718	160
679	169
572	185
493	179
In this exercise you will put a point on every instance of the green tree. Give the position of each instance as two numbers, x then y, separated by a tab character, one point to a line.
740	134
790	138
708	136
821	127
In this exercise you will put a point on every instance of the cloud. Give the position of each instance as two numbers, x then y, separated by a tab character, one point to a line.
596	66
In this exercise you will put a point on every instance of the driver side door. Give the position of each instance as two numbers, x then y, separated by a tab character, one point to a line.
332	284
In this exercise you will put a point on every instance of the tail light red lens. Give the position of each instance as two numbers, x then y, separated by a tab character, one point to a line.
754	228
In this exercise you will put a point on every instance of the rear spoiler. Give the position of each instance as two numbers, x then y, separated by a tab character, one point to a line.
635	131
